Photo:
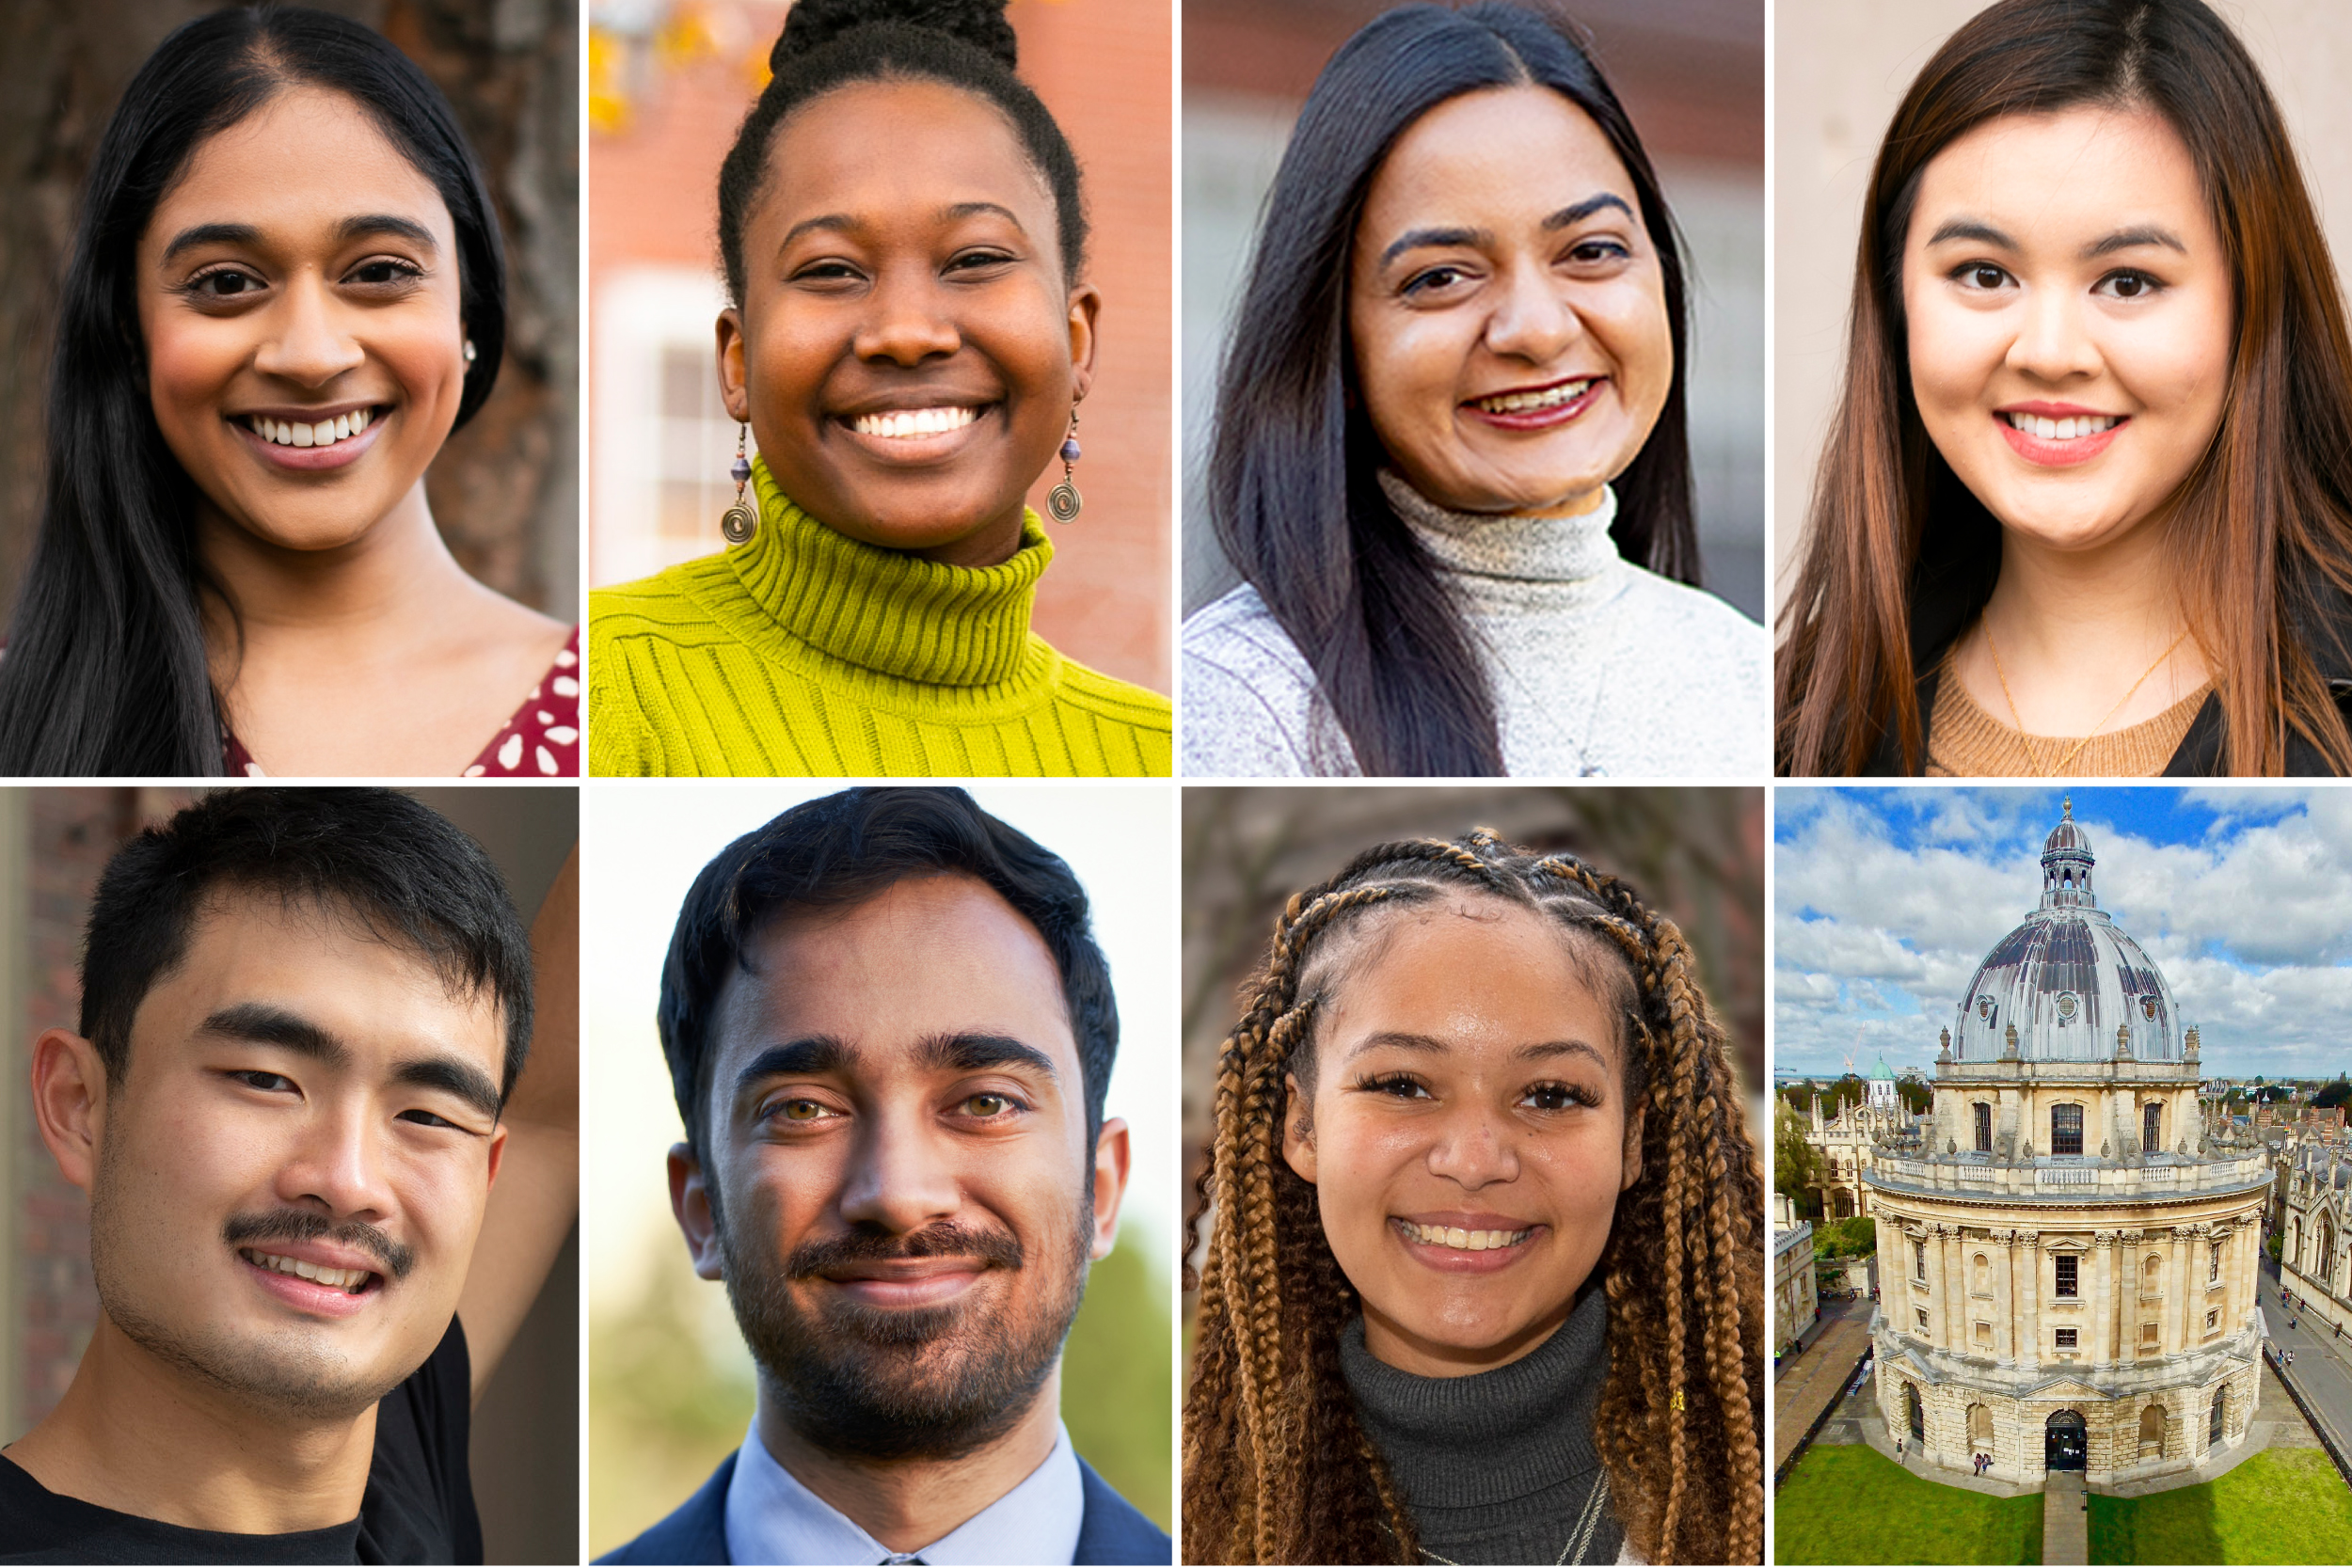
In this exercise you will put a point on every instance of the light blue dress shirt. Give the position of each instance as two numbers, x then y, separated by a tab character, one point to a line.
773	1518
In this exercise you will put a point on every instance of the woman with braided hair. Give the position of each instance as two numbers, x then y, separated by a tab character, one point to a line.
1484	1276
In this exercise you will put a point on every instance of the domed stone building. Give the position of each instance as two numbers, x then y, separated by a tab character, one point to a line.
2068	1256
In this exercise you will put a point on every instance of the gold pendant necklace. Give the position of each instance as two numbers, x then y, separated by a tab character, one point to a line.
2075	750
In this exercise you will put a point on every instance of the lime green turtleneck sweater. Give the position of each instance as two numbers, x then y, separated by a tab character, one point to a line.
806	652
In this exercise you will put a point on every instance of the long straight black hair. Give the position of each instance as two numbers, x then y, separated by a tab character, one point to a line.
105	665
1293	465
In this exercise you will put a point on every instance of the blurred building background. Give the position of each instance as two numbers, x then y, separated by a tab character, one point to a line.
669	82
505	489
1694	854
670	1384
1842	66
1690	74
53	842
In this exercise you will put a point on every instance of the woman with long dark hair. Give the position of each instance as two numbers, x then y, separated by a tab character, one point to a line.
1451	462
287	290
2086	504
1483	1278
909	335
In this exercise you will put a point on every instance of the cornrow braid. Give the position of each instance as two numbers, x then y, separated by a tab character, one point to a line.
1277	1466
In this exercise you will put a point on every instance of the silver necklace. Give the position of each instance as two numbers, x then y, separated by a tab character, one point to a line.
1579	1542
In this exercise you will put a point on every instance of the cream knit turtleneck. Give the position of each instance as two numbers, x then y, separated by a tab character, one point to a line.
1598	667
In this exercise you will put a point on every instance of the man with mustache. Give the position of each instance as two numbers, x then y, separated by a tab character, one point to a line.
890	1031
298	1075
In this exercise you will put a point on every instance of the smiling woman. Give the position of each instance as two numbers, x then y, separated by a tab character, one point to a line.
1484	1267
2086	506
287	291
908	338
1451	458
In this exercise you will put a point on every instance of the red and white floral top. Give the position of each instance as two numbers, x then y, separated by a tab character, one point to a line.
540	741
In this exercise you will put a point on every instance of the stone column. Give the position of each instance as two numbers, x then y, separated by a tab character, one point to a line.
1955	1290
2176	1307
2029	1342
2103	1324
2128	1250
2004	1296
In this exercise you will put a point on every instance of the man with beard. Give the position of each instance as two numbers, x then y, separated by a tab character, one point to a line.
890	1031
298	1072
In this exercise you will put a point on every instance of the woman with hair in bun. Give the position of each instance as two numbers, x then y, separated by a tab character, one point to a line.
1451	460
287	290
1483	1278
909	335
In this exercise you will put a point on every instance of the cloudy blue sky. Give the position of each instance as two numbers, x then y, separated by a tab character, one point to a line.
1887	899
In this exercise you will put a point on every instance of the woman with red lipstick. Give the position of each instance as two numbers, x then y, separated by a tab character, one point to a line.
1449	459
287	291
1485	1255
907	344
2086	506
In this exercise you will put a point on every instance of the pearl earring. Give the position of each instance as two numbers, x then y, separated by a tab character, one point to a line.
469	356
1065	501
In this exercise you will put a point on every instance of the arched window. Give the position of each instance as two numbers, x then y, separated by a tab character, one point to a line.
2220	1406
1917	1417
2151	1276
2213	1269
1981	1277
2151	1432
1919	1257
2066	1129
1984	1128
1980	1429
2152	1128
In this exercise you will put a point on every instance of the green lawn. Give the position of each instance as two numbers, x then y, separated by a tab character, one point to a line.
1850	1504
2283	1505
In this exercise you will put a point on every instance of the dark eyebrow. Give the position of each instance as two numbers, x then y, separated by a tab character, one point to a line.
385	223
212	234
801	1058
1542	1051
1969	229
1549	1049
263	1024
1415	239
975	209
2130	239
451	1076
1585	209
977	1053
842	221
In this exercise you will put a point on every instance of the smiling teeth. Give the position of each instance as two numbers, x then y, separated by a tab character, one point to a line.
914	422
1467	1241
323	433
2062	430
1527	402
341	1279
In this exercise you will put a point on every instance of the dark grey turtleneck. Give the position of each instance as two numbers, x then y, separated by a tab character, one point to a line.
1496	1467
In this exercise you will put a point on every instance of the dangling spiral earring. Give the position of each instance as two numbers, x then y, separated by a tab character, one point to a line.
1064	502
740	521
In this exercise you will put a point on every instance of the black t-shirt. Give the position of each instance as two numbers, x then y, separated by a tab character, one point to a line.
419	1506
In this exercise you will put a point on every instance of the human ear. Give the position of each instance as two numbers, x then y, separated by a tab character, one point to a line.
690	1204
733	388
70	1101
1298	1143
1110	1185
1634	1125
1086	304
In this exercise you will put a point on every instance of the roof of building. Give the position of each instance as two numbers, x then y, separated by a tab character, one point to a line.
2067	977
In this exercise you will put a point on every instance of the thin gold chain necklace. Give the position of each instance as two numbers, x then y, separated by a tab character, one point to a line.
2075	750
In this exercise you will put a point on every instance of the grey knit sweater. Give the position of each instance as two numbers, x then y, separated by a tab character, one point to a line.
1597	666
1496	1466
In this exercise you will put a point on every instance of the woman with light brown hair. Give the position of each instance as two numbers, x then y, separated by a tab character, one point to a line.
2086	504
1483	1275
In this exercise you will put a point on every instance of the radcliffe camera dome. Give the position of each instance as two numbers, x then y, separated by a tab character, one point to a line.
2067	977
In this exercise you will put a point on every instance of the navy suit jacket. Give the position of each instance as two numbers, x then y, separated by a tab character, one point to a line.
1111	1529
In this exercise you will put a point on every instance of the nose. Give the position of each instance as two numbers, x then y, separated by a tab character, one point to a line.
899	1177
338	1164
307	343
906	321
2053	342
1473	1147
1534	317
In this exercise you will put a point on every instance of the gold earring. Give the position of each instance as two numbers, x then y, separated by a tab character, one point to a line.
740	522
1064	502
